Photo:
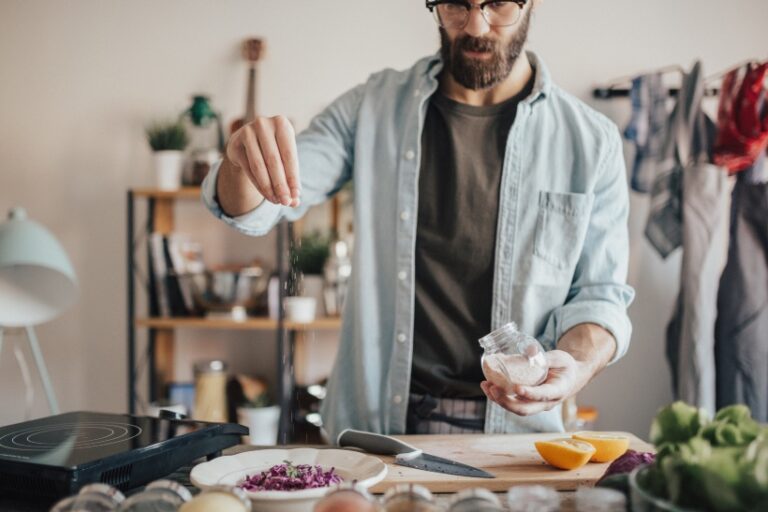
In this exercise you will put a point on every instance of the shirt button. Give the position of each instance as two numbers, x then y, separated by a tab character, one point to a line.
397	399
401	338
402	275
410	154
404	215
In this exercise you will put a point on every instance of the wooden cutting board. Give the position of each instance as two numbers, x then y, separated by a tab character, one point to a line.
511	457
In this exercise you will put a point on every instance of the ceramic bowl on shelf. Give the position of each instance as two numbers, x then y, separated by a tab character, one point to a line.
227	291
231	470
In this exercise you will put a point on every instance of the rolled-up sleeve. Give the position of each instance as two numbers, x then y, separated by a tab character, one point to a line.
326	154
599	293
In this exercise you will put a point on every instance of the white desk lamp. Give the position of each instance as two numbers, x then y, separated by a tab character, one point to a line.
37	283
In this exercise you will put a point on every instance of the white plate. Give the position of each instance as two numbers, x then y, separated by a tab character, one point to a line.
232	469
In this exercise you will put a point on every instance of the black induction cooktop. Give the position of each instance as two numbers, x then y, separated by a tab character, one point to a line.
57	455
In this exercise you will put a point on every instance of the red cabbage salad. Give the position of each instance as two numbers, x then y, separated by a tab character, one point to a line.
290	477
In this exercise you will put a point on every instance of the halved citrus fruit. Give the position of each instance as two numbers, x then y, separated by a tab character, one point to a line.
565	453
608	447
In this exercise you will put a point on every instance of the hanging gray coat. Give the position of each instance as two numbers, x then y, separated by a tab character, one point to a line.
689	208
742	324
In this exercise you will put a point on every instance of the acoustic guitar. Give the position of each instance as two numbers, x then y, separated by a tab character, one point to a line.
252	52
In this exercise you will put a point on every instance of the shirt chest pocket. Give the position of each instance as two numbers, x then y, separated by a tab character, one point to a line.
561	225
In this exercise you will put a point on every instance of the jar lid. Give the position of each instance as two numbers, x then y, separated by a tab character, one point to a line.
353	487
475	494
105	490
170	485
212	366
415	491
237	492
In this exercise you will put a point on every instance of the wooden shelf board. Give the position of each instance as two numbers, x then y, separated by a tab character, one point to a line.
253	323
182	193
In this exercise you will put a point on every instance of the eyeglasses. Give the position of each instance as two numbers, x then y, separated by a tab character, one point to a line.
454	14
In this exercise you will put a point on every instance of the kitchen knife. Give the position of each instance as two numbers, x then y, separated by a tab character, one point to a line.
406	455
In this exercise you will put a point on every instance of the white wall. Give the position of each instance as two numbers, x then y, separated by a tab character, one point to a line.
79	79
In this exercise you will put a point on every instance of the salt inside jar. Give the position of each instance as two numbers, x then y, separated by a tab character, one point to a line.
513	358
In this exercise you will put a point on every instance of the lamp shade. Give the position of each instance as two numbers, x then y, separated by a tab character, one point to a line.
37	281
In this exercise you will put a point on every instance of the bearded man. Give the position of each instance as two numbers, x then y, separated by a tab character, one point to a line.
483	194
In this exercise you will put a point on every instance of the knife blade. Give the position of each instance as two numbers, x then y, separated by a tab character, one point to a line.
407	455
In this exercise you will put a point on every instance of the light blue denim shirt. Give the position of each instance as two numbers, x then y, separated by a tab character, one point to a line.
561	243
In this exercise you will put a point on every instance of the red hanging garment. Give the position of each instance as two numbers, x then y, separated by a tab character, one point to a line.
742	122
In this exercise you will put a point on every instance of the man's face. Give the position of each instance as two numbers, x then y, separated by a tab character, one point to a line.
479	56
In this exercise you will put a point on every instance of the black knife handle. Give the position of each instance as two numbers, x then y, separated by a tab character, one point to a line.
375	443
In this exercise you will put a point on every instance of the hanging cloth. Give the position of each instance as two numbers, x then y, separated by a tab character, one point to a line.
697	203
741	346
646	128
742	122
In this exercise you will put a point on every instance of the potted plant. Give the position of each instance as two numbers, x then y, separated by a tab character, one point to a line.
308	257
254	410
168	139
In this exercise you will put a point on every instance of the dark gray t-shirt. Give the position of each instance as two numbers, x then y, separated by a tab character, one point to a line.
462	154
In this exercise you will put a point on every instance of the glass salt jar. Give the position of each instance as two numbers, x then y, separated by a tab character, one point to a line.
92	498
159	496
475	500
347	497
513	358
409	498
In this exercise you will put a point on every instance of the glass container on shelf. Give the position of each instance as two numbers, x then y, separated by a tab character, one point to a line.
211	391
337	271
203	124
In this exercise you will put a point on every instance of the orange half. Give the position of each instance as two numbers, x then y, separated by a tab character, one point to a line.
608	447
565	453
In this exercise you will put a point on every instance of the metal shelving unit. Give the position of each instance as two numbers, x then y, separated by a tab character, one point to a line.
161	330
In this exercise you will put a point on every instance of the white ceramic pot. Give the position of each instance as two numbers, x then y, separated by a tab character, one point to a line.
262	423
300	309
313	286
168	167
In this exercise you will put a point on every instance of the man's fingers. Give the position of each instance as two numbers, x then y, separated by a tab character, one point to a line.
547	392
523	408
238	157
286	144
265	134
518	404
258	169
559	359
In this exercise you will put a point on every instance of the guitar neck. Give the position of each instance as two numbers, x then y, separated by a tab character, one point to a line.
250	101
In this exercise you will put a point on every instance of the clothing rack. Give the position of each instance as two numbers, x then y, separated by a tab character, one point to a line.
607	93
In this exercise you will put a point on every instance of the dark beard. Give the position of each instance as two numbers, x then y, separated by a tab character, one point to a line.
481	74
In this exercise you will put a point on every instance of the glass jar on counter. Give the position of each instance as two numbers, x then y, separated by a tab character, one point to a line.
219	498
91	498
533	498
512	358
600	499
475	500
409	498
347	497
159	496
211	391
